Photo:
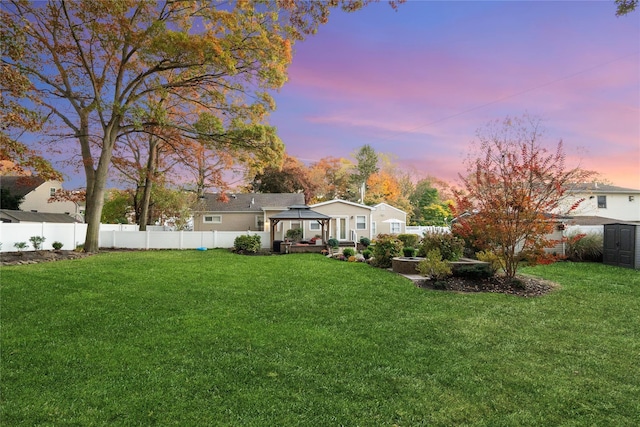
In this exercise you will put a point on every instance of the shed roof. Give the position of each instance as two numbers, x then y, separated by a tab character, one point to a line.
22	216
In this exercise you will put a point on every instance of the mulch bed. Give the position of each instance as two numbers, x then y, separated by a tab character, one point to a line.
35	257
524	286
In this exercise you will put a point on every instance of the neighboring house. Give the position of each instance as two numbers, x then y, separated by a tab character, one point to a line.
251	212
349	221
388	220
601	200
12	216
243	212
36	193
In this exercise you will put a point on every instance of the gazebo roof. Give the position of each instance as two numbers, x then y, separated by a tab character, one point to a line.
301	212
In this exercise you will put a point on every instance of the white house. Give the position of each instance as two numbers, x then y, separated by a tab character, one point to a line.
388	219
601	200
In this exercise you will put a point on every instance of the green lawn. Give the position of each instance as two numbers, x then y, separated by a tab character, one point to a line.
195	338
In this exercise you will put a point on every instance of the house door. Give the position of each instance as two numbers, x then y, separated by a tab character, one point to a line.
341	228
619	245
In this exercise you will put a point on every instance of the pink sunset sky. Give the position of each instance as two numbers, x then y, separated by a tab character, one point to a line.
417	83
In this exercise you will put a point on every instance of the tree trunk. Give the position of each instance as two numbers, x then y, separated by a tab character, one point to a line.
96	183
148	184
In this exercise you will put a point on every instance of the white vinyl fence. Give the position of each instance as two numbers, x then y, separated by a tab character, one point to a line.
421	229
118	236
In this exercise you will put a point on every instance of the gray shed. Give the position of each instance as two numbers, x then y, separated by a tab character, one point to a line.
622	245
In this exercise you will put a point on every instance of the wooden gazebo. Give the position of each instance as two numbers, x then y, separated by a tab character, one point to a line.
300	213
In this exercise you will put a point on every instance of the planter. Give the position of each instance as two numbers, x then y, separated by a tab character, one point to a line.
405	265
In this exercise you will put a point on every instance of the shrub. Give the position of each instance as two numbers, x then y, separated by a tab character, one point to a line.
433	266
409	240
474	271
333	243
386	247
365	241
408	252
450	246
584	247
348	252
20	246
57	245
366	254
492	258
247	244
36	242
353	258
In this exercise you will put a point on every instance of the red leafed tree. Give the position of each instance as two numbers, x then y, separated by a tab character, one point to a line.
513	187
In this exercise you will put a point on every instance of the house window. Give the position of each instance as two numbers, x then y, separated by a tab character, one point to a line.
361	222
260	222
602	202
373	228
314	226
212	219
52	192
395	228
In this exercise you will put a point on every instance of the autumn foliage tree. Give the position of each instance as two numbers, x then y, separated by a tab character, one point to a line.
98	69
513	186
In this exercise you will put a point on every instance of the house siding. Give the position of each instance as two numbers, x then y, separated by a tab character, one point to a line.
383	212
621	205
37	200
346	212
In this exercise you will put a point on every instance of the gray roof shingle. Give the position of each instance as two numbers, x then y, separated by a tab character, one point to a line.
250	202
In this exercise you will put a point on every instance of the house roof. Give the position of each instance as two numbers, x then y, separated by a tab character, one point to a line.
590	220
594	187
385	205
299	212
251	202
22	216
346	202
20	185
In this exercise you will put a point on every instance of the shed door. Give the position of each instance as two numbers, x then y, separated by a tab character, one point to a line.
627	246
619	245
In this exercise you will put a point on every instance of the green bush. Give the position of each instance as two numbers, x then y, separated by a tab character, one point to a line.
20	246
348	252
365	241
450	246
409	240
366	254
36	242
584	247
385	248
473	271
492	258
434	267
247	244
408	252
57	245
333	243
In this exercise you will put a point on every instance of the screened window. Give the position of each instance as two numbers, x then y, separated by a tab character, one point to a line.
602	202
361	222
314	225
260	222
212	219
52	191
395	228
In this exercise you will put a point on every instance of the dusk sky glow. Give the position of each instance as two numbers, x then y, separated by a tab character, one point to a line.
417	83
